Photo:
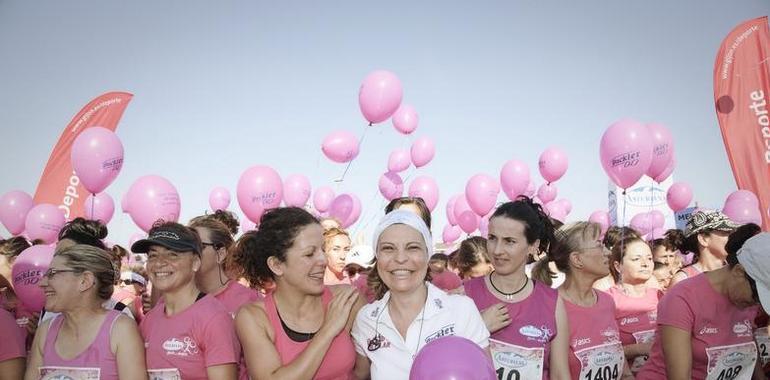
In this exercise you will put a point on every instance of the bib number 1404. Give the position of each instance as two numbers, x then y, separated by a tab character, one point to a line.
603	373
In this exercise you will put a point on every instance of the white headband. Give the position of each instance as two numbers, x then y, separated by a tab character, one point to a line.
408	218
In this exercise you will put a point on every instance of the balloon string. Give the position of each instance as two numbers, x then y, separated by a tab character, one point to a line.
93	199
623	224
360	142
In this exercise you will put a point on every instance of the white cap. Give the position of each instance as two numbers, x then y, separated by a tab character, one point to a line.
408	218
362	255
754	256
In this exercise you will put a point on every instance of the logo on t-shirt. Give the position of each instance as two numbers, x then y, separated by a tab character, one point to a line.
628	320
708	330
180	347
581	342
444	331
743	329
542	334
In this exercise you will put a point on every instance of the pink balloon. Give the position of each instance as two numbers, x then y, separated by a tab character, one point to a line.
322	198
679	196
484	225
27	271
97	157
14	206
346	208
379	96
152	198
219	198
452	357
745	196
259	189
553	164
662	149
466	218
450	210
340	146
399	160
642	223
658	219
296	190
530	189
547	192
602	218
426	188
481	192
422	151
556	211
742	211
405	119
656	233
514	179
451	233
44	222
626	152
391	186
666	172
100	207
566	205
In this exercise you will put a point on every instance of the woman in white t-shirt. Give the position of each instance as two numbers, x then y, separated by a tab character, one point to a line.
409	311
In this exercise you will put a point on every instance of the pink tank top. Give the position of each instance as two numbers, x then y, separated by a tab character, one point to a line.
533	320
339	359
95	359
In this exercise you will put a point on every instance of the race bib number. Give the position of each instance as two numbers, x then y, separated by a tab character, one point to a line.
763	344
603	362
164	374
516	363
69	373
641	337
734	362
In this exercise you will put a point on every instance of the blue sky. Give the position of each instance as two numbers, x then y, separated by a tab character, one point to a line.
220	87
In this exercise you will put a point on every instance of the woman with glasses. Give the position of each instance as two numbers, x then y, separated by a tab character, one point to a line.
129	292
595	349
84	341
705	324
526	317
218	273
636	303
409	311
188	334
301	330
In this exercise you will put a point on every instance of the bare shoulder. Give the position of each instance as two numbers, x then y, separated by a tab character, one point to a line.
253	312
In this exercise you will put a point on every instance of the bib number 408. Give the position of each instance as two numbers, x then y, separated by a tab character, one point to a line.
512	374
603	373
729	373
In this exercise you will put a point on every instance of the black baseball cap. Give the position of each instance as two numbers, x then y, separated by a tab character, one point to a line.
168	238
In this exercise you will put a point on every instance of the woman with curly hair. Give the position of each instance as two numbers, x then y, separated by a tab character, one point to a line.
301	330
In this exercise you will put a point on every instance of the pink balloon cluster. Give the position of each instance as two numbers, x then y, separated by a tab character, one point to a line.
742	206
629	149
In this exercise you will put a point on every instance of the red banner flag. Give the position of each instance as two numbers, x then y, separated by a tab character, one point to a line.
741	92
59	185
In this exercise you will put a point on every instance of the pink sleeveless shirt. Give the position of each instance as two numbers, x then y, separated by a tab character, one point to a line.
339	359
533	320
95	359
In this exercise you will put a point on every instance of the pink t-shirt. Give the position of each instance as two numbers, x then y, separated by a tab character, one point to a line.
188	342
97	358
446	280
234	295
719	330
594	340
636	318
360	283
13	337
338	362
533	326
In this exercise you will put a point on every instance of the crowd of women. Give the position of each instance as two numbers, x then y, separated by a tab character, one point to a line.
291	300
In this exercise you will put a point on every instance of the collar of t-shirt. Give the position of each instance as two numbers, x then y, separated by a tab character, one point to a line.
434	304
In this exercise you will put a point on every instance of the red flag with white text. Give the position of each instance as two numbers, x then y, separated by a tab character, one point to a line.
59	185
741	93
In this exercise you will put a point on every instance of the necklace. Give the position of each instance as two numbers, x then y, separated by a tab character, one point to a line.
508	296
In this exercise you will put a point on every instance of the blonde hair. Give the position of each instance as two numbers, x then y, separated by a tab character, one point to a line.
331	233
86	258
570	238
